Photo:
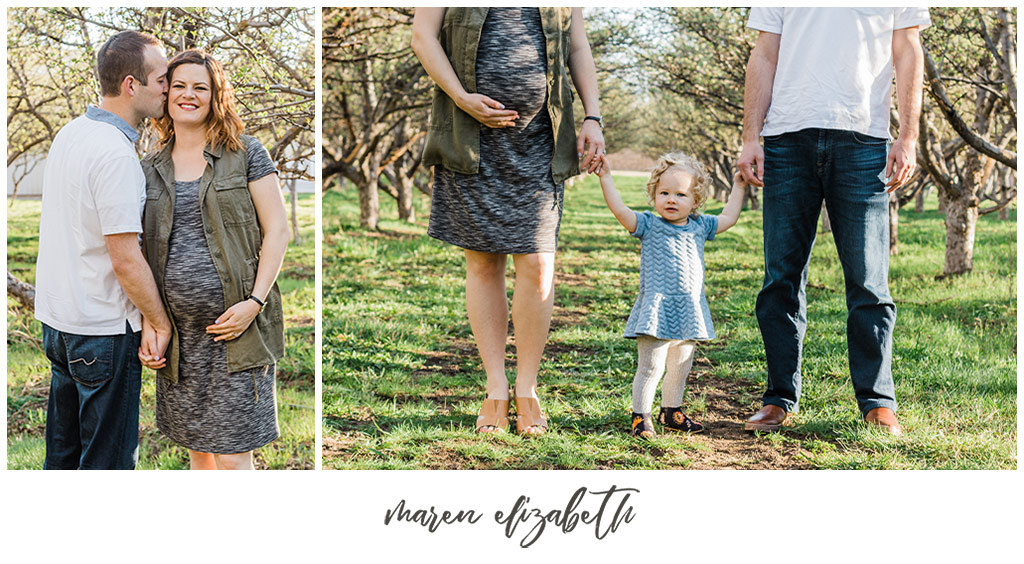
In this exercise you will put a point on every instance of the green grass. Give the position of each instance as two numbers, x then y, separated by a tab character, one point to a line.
28	370
403	382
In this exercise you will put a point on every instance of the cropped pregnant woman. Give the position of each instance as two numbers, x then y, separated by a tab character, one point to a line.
502	142
216	233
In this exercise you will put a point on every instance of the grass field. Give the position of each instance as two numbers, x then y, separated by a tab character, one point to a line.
28	370
403	382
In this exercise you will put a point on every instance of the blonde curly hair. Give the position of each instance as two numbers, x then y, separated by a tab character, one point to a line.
686	163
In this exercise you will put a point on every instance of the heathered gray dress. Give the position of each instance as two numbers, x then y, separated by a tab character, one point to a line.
209	409
512	206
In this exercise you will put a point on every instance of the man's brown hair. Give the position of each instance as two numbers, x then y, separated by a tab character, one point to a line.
122	55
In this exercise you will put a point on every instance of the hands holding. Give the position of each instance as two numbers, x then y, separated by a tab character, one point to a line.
738	181
488	111
592	138
234	321
154	345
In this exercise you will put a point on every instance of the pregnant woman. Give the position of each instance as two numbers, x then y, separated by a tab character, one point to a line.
216	233
502	142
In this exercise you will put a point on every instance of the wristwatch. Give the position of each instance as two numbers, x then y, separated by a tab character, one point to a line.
257	300
597	119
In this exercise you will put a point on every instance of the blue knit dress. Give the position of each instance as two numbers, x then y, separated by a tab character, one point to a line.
671	304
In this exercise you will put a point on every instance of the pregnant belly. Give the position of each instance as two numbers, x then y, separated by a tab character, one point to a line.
524	91
511	68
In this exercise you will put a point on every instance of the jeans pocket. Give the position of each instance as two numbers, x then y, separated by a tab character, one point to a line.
90	358
867	139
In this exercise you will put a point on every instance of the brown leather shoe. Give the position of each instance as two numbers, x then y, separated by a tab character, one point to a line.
768	418
886	419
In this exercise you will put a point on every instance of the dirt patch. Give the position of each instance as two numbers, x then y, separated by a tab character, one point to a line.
627	159
553	350
568	317
301	321
384	234
446	361
571	279
724	444
443	458
303	272
340	448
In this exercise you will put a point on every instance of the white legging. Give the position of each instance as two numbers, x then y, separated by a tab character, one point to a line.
654	358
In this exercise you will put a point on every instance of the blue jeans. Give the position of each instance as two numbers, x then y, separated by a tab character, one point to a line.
92	416
801	169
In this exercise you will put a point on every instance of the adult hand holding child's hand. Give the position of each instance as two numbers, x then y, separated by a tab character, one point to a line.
738	181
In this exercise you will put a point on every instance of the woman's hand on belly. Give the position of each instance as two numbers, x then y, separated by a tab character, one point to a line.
488	111
234	321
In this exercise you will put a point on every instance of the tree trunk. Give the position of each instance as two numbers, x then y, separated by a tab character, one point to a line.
894	223
293	192
23	292
750	200
369	197
826	223
919	200
404	187
1004	214
961	220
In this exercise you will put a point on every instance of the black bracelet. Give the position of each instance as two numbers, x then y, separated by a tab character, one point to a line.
598	119
257	300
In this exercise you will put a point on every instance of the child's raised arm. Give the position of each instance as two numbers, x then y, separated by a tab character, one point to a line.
611	197
731	213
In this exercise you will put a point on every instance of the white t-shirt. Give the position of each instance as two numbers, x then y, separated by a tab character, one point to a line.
835	67
93	186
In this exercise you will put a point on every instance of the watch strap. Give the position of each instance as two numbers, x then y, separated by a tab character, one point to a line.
257	300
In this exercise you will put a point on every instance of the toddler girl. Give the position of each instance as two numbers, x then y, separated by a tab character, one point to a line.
671	313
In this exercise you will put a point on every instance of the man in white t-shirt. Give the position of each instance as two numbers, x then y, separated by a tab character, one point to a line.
819	81
92	281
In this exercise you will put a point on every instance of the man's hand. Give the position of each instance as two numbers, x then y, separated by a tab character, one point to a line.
900	164
751	163
154	345
908	60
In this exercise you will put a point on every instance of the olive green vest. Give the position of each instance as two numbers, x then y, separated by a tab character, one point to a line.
453	138
234	238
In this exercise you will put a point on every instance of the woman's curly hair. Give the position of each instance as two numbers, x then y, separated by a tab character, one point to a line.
682	161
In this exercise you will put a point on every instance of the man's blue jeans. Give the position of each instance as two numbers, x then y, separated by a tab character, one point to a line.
841	167
92	417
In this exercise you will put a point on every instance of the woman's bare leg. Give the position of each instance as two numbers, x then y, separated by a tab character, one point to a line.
487	307
201	461
240	461
532	302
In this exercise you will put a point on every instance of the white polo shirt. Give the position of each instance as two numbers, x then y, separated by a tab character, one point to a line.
93	186
835	67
